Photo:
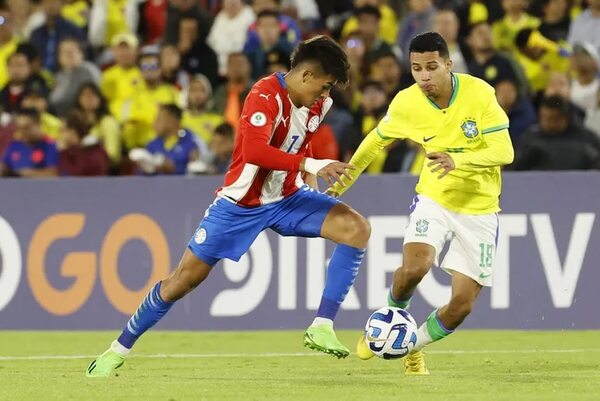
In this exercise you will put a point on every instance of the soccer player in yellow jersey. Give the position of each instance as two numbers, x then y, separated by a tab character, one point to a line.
464	132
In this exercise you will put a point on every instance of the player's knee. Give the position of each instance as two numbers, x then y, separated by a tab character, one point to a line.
180	283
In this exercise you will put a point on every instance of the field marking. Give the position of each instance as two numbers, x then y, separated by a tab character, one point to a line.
292	354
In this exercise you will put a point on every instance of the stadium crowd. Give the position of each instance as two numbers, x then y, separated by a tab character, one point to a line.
121	87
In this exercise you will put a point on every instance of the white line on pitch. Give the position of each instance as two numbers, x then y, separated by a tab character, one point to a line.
295	354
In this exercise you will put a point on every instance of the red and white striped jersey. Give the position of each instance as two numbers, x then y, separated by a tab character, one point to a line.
273	138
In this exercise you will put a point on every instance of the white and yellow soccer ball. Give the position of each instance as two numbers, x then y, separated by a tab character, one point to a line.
391	333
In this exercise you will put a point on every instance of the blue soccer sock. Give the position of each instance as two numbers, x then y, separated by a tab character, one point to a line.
341	273
150	311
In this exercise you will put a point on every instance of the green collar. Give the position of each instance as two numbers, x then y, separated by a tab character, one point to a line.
454	93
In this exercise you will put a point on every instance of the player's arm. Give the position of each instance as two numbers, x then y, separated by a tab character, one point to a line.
497	152
310	179
256	124
370	147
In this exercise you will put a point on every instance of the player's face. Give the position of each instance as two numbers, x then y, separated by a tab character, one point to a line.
315	86
431	72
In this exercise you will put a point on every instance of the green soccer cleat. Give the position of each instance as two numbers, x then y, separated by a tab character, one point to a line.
322	338
105	364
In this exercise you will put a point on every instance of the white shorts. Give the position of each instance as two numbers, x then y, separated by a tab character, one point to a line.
473	238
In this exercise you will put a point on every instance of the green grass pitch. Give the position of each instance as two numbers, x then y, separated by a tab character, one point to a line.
243	366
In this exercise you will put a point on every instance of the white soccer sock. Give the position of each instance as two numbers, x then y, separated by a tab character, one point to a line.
322	320
119	348
423	337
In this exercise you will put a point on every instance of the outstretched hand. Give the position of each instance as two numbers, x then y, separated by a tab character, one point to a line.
333	172
441	161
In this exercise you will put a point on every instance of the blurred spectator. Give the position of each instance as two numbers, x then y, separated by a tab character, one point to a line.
120	82
585	66
515	19
221	147
47	37
306	12
108	18
74	71
196	56
592	118
20	80
470	12
80	154
368	18
32	154
103	125
289	31
172	150
7	130
555	19
76	12
560	85
38	73
539	57
388	25
419	19
37	99
586	27
148	19
138	127
387	70
557	144
230	96
181	9
8	41
229	31
277	61
446	24
519	109
170	67
197	117
487	63
270	40
26	15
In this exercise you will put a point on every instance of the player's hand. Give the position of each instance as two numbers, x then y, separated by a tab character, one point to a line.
333	172
332	193
442	162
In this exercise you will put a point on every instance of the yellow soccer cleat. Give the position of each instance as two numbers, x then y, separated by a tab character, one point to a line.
414	364
362	349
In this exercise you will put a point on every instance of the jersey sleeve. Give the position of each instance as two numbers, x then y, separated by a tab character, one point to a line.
494	118
51	155
394	124
256	125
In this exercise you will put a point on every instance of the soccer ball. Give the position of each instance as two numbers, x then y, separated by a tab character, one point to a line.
391	333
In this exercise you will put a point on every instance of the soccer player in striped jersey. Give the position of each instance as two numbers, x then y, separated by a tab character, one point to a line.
264	188
464	132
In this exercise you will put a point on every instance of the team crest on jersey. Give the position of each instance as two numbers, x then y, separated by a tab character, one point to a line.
313	123
422	226
469	128
200	236
258	119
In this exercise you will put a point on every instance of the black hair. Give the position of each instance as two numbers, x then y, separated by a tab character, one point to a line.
75	120
225	129
429	42
327	53
173	110
523	37
29	112
29	50
368	10
557	103
102	107
267	13
386	54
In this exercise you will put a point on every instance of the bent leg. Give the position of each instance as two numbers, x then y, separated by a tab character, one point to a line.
417	260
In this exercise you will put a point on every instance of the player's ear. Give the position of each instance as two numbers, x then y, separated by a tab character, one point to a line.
307	75
449	64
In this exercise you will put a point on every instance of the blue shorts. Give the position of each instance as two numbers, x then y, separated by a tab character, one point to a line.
227	230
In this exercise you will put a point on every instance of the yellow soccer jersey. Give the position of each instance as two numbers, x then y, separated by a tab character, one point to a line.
472	129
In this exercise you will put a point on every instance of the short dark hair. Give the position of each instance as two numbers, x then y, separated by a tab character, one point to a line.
368	10
225	129
173	110
557	103
429	42
75	120
329	55
29	112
